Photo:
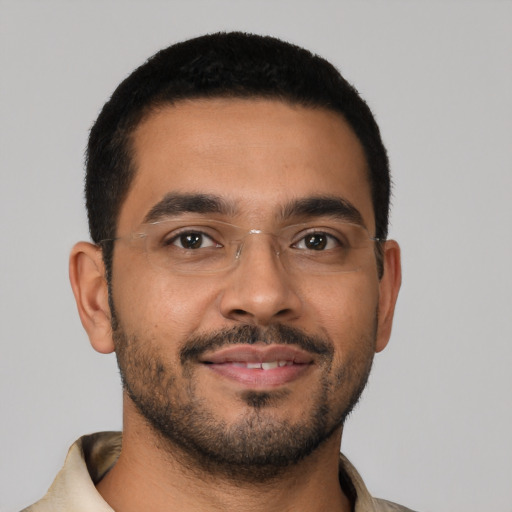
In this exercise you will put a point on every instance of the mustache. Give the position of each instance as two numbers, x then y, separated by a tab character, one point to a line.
278	334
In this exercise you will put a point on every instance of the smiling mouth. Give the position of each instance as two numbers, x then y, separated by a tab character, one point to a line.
268	365
259	366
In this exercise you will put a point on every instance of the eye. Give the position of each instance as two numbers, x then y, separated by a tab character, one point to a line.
317	241
192	240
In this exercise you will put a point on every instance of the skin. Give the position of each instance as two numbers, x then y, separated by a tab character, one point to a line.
259	155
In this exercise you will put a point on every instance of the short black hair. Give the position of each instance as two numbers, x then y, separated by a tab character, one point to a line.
220	65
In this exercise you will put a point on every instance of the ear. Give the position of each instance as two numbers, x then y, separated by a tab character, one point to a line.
87	276
389	287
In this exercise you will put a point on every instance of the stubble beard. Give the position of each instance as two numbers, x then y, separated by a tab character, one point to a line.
257	447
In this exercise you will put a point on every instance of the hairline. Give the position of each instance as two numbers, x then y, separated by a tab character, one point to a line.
159	105
129	131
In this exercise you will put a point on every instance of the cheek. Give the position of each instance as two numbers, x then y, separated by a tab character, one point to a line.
344	307
153	304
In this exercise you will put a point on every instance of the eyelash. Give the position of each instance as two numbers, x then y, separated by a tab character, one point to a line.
318	233
175	237
301	238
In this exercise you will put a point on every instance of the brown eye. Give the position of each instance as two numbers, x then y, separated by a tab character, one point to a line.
316	241
192	240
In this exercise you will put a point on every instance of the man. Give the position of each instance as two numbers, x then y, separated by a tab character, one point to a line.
238	192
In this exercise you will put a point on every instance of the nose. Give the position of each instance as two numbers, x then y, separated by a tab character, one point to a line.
258	290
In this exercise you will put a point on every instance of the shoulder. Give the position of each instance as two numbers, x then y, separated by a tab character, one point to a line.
354	487
388	506
88	459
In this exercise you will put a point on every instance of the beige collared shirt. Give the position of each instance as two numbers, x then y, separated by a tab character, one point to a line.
89	458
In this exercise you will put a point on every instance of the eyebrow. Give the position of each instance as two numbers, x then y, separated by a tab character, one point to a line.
176	203
323	206
315	206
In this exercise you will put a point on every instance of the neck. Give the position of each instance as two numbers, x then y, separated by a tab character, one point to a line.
150	476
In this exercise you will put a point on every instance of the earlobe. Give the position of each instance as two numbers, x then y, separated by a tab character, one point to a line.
388	292
87	276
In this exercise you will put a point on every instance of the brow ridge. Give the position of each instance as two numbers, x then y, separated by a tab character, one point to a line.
323	206
178	203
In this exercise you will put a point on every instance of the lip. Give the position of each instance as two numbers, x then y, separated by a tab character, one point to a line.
229	363
257	354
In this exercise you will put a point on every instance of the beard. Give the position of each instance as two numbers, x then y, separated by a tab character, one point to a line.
259	445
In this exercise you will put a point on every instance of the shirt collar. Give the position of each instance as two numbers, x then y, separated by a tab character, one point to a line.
91	457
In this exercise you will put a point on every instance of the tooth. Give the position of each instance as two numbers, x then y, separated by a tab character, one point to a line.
282	363
269	365
254	365
238	365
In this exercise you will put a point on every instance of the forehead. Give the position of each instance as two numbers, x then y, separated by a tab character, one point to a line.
257	154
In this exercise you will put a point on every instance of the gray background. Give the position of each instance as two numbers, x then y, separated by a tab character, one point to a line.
434	428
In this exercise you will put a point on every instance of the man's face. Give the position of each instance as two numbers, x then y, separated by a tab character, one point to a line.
190	345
